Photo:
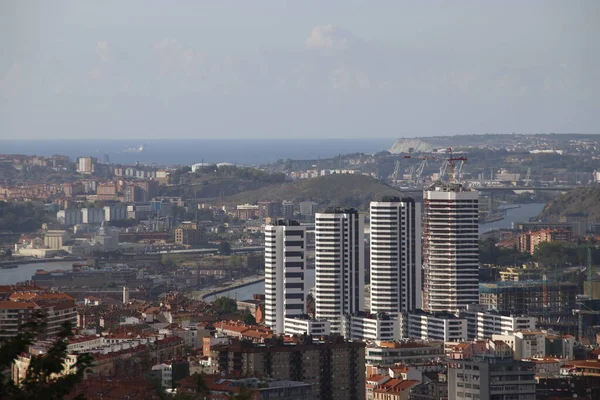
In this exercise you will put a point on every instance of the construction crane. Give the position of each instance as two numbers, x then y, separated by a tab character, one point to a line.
411	174
580	312
449	163
420	169
418	172
396	170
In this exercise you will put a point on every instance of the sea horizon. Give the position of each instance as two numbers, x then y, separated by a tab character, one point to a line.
189	151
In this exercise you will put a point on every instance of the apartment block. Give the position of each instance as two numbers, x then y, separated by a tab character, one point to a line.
486	370
335	368
285	266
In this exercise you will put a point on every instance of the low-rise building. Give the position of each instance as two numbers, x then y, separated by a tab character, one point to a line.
189	233
443	327
335	368
486	370
16	312
380	326
528	241
304	325
406	352
538	344
482	324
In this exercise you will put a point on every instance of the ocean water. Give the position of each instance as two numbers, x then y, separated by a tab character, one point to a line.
189	151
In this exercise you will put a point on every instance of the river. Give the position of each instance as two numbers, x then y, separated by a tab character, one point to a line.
514	215
24	271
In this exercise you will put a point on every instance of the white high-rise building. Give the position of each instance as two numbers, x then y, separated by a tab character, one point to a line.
396	279
85	165
285	265
339	266
450	247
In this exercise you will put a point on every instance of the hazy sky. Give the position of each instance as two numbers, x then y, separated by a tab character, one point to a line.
347	69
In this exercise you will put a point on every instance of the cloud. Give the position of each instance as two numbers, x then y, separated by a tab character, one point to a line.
329	37
103	50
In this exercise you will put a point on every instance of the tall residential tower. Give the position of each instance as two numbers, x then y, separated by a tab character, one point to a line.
450	247
285	264
339	265
396	281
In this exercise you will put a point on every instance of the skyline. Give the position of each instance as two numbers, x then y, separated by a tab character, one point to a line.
144	70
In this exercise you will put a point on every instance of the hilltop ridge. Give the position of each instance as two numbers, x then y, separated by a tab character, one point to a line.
584	201
344	190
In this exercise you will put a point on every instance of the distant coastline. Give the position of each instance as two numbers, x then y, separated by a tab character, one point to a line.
190	151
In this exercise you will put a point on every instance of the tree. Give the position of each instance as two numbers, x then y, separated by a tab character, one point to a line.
224	305
224	248
48	376
248	318
555	254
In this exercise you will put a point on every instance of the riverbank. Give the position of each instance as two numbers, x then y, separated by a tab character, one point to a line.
227	287
20	261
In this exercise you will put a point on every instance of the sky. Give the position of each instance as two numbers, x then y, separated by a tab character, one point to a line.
299	69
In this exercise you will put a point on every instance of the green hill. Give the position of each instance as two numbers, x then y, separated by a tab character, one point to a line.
332	190
583	201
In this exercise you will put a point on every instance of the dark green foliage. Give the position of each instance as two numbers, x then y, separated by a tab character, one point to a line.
22	217
559	254
341	190
39	382
490	254
248	318
224	305
583	201
224	248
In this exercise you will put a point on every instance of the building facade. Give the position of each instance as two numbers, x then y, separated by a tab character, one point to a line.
487	371
395	255
450	247
443	327
334	368
285	265
339	266
189	233
306	326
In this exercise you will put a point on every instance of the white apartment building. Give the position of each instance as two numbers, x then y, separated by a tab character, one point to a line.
85	165
441	327
69	217
285	265
306	326
395	253
339	265
165	372
450	247
382	326
115	213
483	324
525	344
92	215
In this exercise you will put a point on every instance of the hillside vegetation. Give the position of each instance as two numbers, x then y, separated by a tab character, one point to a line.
213	182
332	190
581	201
